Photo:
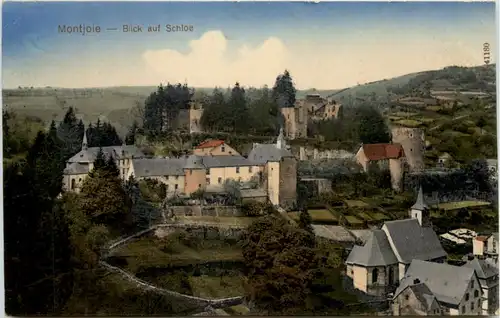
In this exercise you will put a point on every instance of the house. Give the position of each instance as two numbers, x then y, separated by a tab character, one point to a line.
271	165
377	266
214	148
385	156
78	166
487	272
279	170
486	245
430	288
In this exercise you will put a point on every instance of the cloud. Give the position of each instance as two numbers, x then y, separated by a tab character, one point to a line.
210	62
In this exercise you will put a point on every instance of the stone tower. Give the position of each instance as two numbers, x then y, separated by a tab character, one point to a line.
413	142
420	210
194	174
84	142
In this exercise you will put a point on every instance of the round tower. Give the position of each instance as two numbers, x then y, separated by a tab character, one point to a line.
194	174
413	142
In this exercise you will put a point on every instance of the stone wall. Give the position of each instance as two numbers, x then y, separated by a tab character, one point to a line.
315	154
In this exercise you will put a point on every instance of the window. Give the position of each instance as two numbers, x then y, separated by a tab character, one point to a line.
176	186
219	180
476	293
463	309
467	297
237	169
411	149
176	177
79	179
207	180
374	275
73	184
407	297
190	171
223	148
199	186
208	171
166	178
479	303
250	169
472	306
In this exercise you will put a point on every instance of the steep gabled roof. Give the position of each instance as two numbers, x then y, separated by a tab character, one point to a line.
484	268
262	153
411	241
420	203
447	283
210	144
375	252
383	151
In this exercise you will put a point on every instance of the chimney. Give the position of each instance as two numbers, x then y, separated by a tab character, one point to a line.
416	281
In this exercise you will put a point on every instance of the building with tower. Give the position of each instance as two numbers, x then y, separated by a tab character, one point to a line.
413	142
78	166
213	163
377	266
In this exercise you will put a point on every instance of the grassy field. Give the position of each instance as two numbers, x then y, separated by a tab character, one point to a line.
356	204
216	287
351	219
222	220
461	205
316	215
151	252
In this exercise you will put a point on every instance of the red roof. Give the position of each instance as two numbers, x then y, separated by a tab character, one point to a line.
383	151
210	144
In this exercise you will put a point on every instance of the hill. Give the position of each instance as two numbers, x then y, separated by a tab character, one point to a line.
115	104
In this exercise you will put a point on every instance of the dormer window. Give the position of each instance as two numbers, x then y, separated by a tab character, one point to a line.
223	148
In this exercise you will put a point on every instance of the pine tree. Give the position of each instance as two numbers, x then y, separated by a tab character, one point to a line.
100	160
372	128
284	92
111	167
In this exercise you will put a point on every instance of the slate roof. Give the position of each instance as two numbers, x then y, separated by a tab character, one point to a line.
420	203
411	241
484	268
194	162
76	168
118	152
375	252
447	283
210	144
262	153
226	161
423	294
383	151
158	167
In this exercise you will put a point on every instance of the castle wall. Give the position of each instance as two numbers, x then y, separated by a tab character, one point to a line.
413	142
288	182
396	169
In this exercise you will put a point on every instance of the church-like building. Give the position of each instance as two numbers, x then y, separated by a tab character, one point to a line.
377	266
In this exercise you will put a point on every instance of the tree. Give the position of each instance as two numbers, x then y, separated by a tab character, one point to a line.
305	220
284	90
281	261
130	137
70	132
37	249
372	128
104	199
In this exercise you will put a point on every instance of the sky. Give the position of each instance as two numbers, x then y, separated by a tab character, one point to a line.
323	45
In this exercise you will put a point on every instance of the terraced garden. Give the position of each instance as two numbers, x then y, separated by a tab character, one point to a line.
449	206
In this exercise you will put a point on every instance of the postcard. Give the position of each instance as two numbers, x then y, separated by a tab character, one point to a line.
250	158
